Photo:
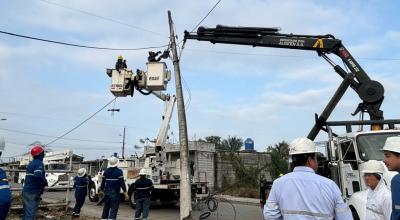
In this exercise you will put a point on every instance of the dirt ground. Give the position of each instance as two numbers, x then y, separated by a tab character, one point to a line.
50	213
53	213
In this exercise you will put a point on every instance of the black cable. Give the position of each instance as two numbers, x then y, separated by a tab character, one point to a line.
49	136
80	124
101	17
206	15
78	45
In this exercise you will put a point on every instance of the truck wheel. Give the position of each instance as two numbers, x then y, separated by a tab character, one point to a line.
354	213
131	194
93	196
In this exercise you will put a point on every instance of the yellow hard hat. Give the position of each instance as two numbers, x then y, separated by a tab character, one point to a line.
120	57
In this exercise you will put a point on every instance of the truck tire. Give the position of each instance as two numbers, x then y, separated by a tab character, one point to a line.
131	194
354	214
93	196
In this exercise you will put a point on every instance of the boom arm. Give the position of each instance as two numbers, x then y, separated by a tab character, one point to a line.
166	118
371	92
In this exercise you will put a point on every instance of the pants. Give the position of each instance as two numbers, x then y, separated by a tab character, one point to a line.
4	207
80	200
142	206
31	203
111	204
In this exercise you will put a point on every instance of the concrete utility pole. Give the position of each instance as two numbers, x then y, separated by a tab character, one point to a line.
123	144
185	189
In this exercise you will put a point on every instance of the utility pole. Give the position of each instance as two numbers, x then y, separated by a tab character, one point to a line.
123	144
185	189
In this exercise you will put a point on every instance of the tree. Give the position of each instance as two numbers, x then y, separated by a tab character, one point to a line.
232	143
279	158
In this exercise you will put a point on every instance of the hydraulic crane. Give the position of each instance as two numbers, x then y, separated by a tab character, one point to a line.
370	91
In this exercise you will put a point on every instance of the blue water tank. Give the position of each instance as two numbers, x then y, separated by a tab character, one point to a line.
249	144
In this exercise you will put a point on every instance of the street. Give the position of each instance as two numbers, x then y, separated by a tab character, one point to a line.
225	210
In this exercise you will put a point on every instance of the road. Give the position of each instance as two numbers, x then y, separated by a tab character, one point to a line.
225	210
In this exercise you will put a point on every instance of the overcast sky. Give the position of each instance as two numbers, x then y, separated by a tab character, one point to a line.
266	94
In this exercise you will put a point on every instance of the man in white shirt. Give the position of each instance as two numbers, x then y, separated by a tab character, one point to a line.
303	194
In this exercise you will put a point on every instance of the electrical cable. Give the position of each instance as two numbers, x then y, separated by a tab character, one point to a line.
102	17
78	45
287	56
216	4
80	124
49	136
71	120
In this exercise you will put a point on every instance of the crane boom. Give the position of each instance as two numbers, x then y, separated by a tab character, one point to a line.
370	92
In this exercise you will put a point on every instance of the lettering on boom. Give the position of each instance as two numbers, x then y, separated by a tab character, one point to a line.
291	42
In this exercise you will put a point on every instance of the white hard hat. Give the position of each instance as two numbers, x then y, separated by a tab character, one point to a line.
392	144
81	172
113	161
143	172
302	146
372	166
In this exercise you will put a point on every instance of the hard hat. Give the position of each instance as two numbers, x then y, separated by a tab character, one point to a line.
36	150
392	144
113	161
372	166
120	57
143	172
81	172
302	146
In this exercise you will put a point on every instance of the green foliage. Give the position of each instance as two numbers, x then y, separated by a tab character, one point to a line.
229	144
232	143
279	158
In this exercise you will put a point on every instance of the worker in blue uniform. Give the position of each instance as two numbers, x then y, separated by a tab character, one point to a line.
81	182
34	184
5	194
391	151
113	182
143	187
303	194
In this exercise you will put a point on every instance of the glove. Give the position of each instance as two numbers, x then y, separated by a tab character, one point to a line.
126	196
101	194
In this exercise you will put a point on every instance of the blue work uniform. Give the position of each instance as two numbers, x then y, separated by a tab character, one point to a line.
395	188
5	195
304	195
113	182
143	187
34	184
80	186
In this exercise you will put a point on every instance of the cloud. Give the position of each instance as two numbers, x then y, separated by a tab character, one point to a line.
264	93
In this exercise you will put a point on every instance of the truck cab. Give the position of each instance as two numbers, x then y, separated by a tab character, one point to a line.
346	155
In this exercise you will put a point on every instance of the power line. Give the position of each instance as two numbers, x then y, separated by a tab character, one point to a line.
70	120
80	124
70	139
288	56
204	18
78	45
102	17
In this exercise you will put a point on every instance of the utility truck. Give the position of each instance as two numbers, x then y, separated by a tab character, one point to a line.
347	152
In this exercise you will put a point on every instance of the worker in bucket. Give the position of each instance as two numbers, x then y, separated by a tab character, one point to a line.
34	184
391	151
113	182
379	203
303	194
142	187
81	182
5	193
120	64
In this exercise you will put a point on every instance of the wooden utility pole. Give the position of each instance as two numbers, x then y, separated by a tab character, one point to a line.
185	189
123	144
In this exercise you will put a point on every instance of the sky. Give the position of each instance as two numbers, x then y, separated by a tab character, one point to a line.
265	94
